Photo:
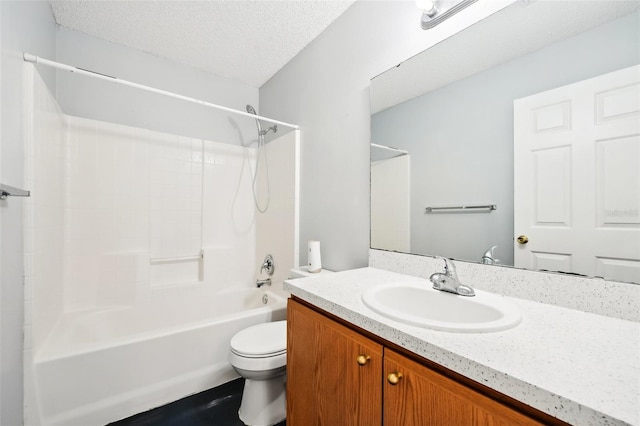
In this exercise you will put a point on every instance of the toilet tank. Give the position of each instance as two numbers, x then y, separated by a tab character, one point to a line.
303	271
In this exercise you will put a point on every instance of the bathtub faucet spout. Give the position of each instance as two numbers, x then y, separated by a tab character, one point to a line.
260	283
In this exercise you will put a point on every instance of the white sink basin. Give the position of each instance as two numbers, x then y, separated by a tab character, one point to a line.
416	303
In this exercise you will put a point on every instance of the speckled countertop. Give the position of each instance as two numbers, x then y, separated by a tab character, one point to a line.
580	367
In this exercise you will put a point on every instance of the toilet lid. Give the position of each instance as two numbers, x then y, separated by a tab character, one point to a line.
268	339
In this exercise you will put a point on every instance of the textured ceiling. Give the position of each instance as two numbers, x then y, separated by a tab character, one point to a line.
244	40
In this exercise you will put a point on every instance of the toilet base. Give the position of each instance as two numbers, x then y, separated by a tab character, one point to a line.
264	402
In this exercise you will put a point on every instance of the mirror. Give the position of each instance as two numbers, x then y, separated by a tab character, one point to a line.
443	135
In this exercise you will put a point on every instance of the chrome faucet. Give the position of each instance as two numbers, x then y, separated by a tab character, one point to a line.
260	283
268	265
488	257
449	282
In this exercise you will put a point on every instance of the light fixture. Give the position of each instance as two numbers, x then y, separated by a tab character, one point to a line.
428	7
436	11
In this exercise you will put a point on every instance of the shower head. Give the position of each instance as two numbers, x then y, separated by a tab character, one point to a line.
251	110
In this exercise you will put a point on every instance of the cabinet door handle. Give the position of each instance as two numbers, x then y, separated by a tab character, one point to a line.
363	359
394	378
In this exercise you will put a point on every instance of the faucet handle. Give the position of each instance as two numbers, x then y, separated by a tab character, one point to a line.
268	265
449	268
488	257
448	281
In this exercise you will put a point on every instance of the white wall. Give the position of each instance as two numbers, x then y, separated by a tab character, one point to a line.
25	26
124	105
277	228
325	89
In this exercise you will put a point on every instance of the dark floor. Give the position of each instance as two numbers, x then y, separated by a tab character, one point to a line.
214	407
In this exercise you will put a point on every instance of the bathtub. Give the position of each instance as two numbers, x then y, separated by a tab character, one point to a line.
101	366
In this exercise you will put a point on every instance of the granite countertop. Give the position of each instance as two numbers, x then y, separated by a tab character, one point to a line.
580	367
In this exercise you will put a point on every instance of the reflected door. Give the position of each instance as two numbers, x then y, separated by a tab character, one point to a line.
577	178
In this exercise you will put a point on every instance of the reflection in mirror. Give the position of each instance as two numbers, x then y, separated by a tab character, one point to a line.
390	198
449	112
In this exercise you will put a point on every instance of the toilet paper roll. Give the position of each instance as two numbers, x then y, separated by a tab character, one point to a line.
314	261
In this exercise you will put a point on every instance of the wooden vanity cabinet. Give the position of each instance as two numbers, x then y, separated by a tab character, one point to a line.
337	376
333	373
416	395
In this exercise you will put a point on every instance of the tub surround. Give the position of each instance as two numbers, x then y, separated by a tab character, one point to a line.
577	366
135	245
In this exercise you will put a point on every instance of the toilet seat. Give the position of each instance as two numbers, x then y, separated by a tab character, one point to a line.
283	352
261	340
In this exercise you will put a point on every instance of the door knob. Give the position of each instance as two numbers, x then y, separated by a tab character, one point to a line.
522	239
362	359
394	378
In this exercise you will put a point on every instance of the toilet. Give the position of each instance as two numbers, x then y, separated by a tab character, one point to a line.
259	354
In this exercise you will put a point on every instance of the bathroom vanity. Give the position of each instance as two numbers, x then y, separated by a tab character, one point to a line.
349	365
361	380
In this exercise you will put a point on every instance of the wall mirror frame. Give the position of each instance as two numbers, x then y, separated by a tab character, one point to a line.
442	136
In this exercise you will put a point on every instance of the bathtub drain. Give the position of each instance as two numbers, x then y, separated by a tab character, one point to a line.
265	299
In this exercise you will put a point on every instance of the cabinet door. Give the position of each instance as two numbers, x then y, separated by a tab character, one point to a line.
334	375
422	396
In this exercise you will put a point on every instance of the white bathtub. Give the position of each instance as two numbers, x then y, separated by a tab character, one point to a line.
101	366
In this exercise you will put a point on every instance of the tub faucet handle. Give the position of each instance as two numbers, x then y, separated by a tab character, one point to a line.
268	265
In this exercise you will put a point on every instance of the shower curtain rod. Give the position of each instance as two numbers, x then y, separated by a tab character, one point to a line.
375	145
38	60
